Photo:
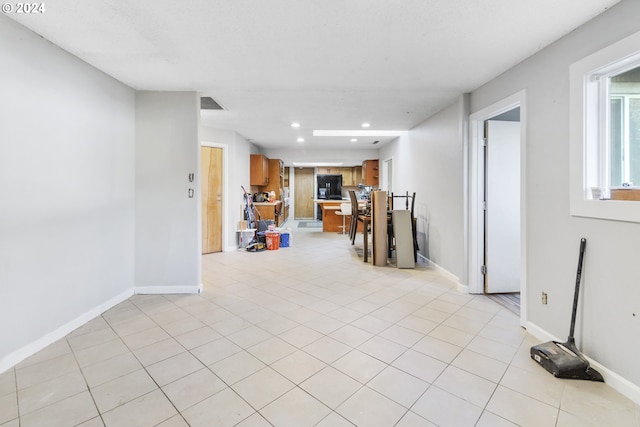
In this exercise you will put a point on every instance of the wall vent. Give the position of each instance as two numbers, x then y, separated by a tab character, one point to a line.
208	103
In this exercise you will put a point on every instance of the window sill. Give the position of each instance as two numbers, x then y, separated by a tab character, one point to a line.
614	210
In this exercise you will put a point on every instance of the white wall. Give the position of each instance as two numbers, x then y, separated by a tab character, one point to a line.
66	191
348	157
608	314
237	174
430	161
167	240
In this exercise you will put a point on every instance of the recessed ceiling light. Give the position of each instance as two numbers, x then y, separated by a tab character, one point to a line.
295	125
366	125
300	140
354	139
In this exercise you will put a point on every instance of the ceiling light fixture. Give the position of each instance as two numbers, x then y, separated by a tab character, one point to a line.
295	125
300	139
366	125
359	132
354	139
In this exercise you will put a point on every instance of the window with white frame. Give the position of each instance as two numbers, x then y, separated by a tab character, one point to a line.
612	106
624	128
605	133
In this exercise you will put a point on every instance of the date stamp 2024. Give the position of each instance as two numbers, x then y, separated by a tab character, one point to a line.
23	8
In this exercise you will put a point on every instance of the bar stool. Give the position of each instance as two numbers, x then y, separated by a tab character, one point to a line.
345	210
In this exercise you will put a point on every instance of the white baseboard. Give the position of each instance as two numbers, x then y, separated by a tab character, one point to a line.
616	381
166	290
18	356
446	273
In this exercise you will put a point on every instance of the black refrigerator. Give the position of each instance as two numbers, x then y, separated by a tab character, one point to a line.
330	187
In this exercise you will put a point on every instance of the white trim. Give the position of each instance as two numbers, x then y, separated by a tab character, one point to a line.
447	274
167	290
30	349
476	186
386	177
614	380
580	128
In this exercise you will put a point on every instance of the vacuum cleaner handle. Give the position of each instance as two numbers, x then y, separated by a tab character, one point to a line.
583	245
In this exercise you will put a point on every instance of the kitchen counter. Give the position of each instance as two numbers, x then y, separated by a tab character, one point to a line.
273	211
267	203
332	201
332	222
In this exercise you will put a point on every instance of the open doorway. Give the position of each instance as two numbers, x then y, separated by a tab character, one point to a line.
501	267
497	239
387	175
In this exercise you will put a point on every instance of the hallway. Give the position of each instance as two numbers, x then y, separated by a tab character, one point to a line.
303	336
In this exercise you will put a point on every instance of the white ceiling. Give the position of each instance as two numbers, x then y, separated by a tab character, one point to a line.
328	64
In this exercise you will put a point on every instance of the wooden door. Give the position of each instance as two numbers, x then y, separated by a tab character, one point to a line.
303	193
211	162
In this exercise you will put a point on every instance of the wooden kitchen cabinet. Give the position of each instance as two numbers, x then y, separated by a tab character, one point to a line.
276	178
272	211
277	184
357	175
370	174
329	171
259	170
347	177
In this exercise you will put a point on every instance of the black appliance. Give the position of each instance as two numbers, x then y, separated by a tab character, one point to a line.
330	187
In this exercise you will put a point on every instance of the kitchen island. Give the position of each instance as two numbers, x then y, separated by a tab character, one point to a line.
331	221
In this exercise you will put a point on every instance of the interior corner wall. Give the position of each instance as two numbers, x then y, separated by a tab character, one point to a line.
167	150
608	308
237	174
429	160
66	191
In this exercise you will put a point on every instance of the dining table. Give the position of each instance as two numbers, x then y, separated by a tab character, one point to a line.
366	222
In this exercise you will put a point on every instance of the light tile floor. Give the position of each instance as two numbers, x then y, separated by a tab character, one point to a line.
303	336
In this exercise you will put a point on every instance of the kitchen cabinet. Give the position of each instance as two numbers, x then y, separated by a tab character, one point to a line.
273	211
347	177
286	177
276	178
277	184
350	176
370	174
259	170
357	175
329	171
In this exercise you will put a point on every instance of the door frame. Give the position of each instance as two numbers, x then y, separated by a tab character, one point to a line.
225	194
387	175
475	251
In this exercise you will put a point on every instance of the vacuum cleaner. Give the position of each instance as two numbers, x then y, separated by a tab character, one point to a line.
564	360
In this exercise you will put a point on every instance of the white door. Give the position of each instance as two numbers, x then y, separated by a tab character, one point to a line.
502	214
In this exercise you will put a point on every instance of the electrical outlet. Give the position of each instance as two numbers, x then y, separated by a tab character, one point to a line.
544	298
